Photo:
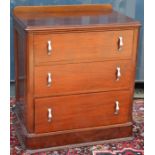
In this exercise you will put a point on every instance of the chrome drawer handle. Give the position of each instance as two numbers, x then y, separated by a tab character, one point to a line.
118	73
49	43
116	108
49	114
49	79
120	43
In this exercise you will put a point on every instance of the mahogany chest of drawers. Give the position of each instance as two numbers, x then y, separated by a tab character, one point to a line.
75	69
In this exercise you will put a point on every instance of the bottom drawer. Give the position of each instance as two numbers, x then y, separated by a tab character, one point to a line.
82	111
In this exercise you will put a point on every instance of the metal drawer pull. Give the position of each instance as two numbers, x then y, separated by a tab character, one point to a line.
49	47
118	73
116	107
49	79
120	43
49	114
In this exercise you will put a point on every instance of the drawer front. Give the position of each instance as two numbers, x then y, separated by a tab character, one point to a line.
82	111
82	78
83	46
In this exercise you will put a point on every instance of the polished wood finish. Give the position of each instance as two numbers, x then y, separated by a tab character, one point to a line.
20	67
92	46
82	111
64	8
29	79
81	136
82	78
77	136
83	66
71	17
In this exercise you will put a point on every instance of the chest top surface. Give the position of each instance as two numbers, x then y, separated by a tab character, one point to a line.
70	16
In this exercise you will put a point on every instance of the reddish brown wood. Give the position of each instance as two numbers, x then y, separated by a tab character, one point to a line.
24	74
82	78
79	137
47	18
83	66
63	138
20	67
82	111
92	46
64	8
29	85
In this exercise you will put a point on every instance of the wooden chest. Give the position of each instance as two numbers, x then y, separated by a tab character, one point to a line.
75	69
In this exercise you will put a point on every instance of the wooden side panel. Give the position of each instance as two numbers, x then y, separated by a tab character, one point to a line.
20	70
30	83
88	46
24	75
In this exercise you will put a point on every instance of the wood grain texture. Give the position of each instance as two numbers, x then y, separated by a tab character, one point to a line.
68	17
29	78
65	138
83	68
79	137
63	8
82	111
82	78
90	46
20	70
24	74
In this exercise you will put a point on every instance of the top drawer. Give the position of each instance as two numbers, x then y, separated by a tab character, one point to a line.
86	46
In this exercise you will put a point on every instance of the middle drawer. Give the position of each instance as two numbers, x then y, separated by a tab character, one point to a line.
82	78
